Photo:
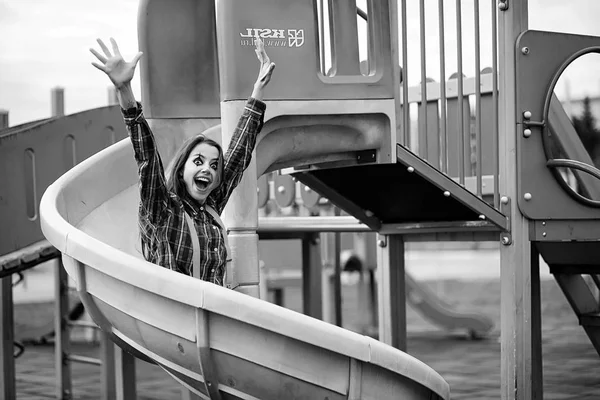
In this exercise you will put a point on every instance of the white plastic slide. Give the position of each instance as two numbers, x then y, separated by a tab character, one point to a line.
219	343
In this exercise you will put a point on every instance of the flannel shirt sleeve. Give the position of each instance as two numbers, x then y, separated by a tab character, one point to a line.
153	188
239	154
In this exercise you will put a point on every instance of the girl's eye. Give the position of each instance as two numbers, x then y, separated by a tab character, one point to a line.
213	166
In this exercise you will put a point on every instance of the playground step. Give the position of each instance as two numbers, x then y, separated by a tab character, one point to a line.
585	269
590	319
410	196
583	301
571	257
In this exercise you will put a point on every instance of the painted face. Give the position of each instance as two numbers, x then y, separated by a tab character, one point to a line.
200	171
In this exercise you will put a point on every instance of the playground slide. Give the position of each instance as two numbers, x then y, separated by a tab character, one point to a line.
434	309
216	342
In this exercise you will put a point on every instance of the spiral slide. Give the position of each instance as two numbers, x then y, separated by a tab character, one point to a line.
216	342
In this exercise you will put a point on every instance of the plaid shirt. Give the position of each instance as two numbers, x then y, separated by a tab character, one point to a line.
165	236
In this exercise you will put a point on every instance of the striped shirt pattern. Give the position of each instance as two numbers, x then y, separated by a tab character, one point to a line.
164	233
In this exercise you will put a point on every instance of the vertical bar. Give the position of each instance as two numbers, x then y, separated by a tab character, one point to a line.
495	135
125	375
519	365
57	95
391	290
311	276
62	346
478	96
3	119
112	96
337	283
536	324
443	122
460	89
345	37
322	35
107	351
8	384
405	104
423	123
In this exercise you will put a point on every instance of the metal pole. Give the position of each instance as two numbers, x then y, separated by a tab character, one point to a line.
7	382
61	331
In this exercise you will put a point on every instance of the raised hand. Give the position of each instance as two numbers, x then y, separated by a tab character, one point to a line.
119	71
266	66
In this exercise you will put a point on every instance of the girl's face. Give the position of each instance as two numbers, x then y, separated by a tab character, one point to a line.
200	171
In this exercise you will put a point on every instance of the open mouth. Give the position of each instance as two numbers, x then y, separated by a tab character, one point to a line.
202	182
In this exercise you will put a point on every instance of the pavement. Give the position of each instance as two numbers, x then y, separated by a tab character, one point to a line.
471	367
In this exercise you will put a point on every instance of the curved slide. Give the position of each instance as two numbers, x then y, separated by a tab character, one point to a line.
440	313
216	342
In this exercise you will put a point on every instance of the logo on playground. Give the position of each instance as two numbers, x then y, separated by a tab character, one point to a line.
273	37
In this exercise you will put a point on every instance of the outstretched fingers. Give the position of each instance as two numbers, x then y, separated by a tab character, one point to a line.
260	50
98	56
115	47
104	48
99	66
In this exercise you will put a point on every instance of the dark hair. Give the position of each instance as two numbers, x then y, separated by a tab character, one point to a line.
174	172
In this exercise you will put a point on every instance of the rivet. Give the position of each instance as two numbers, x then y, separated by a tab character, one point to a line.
503	6
306	189
447	193
505	240
504	200
527	115
281	189
381	243
527	196
527	132
544	234
257	190
525	50
544	223
411	169
481	216
369	213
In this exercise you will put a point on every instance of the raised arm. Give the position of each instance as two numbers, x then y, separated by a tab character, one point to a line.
241	145
119	71
153	192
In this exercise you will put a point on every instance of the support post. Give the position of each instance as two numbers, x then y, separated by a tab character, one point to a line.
125	375
62	346
521	363
311	276
58	101
107	351
241	213
3	119
391	290
8	388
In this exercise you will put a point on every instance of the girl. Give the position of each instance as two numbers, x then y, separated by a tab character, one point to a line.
179	212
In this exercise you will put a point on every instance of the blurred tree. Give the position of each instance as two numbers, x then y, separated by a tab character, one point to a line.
585	125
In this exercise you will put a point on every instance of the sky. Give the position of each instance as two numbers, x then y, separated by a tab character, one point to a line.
45	44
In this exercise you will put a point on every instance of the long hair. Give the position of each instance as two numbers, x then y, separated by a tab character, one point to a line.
174	172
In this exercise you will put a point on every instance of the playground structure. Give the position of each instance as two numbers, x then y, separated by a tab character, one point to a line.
532	211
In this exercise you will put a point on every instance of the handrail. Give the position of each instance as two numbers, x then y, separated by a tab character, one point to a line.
311	224
581	166
361	13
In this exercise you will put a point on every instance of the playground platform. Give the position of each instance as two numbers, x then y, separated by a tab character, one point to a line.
472	368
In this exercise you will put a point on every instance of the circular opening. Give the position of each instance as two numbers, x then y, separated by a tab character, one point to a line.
572	132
